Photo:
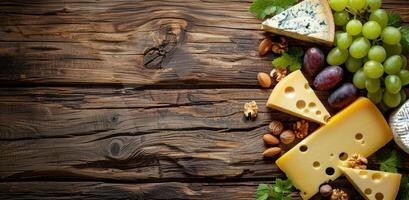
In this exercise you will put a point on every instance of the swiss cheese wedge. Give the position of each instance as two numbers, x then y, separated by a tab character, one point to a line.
374	185
294	96
359	128
309	20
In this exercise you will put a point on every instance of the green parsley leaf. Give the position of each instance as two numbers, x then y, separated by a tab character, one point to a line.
292	59
394	19
403	189
280	191
389	160
405	37
263	8
262	192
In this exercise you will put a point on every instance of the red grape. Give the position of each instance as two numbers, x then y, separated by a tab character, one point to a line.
328	78
343	96
314	61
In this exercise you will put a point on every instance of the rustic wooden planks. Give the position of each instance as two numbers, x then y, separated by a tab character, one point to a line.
126	134
135	43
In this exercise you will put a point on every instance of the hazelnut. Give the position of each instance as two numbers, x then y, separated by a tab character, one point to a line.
326	190
264	80
275	127
271	152
287	137
265	46
270	139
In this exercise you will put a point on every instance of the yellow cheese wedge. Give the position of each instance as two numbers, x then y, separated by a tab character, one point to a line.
374	185
309	20
294	96
359	128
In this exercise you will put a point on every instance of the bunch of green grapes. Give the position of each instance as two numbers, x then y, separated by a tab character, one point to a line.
370	49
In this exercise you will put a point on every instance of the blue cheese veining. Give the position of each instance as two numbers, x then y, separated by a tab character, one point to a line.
399	123
308	18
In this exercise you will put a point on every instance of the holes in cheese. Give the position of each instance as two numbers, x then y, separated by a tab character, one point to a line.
374	185
331	145
294	96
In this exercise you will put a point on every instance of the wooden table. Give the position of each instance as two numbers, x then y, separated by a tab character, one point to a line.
134	100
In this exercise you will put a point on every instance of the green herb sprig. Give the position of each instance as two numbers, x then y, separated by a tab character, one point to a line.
263	8
292	59
281	190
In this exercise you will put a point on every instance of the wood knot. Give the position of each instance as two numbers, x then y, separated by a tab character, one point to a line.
167	38
115	148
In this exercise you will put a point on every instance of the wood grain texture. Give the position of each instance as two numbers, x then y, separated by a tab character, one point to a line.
126	134
137	43
147	191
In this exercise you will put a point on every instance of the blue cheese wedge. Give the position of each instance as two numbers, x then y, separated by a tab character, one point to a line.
399	123
310	20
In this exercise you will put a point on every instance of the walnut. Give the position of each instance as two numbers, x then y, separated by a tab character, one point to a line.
357	161
280	46
278	74
301	129
250	109
338	194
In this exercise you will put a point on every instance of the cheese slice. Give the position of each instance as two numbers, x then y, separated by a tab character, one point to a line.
359	128
310	20
374	185
294	96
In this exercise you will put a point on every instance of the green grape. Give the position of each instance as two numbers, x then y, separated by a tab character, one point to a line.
375	97
392	49
373	4
393	84
391	35
393	64
377	53
404	61
336	36
359	79
379	16
341	18
371	30
404	76
344	40
373	69
354	27
352	64
359	47
337	56
391	100
402	96
373	85
338	5
357	4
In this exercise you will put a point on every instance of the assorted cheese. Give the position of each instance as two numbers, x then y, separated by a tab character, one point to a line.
399	122
359	128
310	20
293	95
374	185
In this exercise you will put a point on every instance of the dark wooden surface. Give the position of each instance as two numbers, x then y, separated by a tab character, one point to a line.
134	100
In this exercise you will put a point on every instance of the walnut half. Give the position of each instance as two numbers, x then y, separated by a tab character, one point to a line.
250	109
357	161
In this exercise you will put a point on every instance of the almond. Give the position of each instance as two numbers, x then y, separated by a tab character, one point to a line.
264	80
271	152
265	46
270	139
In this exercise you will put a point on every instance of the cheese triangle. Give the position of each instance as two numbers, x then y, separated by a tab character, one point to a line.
310	20
294	96
373	185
